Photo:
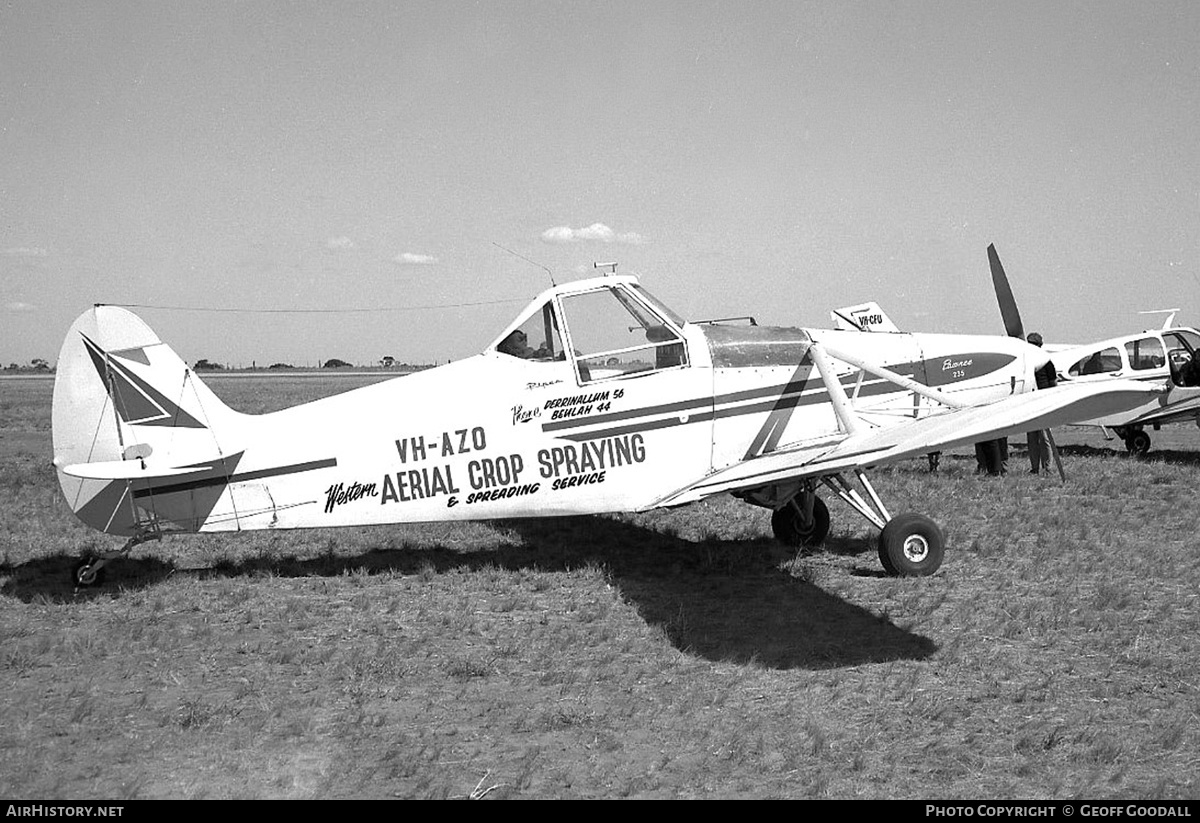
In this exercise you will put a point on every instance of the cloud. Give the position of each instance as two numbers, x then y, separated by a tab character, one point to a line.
339	243
409	259
24	251
597	232
17	306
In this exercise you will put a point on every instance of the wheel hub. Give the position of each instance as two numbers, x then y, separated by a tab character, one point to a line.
916	548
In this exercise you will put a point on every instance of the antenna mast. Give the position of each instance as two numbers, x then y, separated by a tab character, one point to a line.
549	273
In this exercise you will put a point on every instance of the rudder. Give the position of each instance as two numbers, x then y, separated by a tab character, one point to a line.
121	394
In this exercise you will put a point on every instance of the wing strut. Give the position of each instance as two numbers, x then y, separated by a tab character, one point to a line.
837	395
838	484
886	374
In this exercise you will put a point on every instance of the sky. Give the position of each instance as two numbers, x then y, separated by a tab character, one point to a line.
292	181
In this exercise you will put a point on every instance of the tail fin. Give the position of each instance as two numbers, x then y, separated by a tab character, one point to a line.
863	317
127	410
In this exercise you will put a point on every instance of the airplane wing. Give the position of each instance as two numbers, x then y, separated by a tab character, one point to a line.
957	427
1177	411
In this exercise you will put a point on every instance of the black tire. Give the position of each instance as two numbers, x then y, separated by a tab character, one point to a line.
790	531
911	545
82	576
1138	443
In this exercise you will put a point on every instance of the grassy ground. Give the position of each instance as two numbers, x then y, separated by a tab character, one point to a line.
679	654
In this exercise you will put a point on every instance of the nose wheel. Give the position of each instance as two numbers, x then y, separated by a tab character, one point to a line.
1138	443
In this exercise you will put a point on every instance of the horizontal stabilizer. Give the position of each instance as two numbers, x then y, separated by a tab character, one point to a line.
127	470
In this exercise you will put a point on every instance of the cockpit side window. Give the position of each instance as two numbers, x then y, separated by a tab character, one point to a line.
1145	353
537	338
613	335
1184	357
1101	362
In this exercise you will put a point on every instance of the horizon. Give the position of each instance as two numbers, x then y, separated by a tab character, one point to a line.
405	176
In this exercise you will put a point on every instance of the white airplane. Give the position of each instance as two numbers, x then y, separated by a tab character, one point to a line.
1167	356
596	398
1157	355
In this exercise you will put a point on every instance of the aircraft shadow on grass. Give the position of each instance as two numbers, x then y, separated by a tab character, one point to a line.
721	600
1172	457
1018	457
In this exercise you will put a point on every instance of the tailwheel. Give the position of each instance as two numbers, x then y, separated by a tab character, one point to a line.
794	525
89	572
911	545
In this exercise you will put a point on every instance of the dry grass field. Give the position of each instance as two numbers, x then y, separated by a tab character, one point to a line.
678	654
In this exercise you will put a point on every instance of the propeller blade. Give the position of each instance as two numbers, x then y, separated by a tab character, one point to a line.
1008	306
1014	328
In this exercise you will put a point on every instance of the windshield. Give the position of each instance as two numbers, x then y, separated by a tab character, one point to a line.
613	334
658	305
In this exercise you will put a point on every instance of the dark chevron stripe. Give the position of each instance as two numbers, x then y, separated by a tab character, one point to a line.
225	479
772	428
136	401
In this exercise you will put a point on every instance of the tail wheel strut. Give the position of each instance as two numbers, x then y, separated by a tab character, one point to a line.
90	571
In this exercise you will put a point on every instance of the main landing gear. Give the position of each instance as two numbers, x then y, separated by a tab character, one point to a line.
909	545
1137	439
90	571
801	521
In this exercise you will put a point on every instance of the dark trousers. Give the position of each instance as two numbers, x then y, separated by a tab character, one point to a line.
1039	451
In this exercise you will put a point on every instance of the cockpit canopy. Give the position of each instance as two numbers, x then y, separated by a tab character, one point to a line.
610	327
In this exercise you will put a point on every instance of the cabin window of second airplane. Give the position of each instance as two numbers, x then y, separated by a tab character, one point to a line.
1145	353
613	335
1101	362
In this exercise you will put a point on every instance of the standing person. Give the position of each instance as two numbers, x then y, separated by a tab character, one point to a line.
991	457
1039	446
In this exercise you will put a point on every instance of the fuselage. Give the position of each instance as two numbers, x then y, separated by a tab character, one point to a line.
1162	356
493	436
596	398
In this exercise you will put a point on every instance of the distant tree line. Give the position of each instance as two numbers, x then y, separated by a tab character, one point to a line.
388	362
37	364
